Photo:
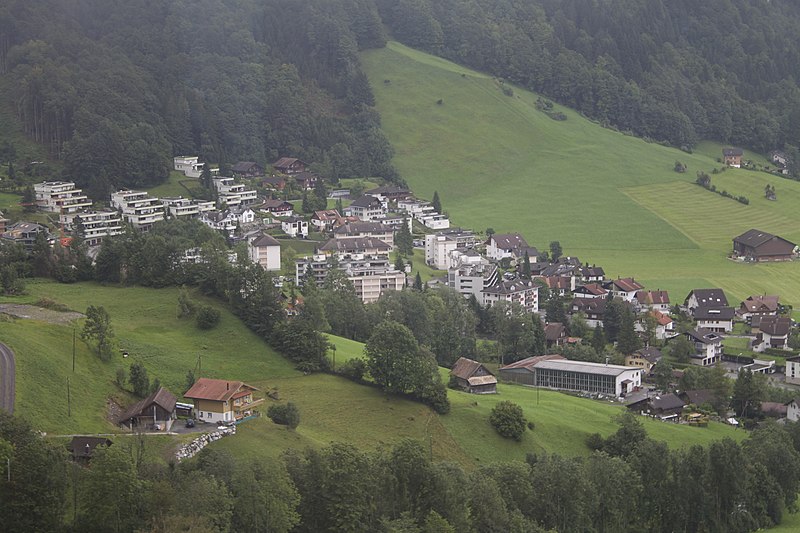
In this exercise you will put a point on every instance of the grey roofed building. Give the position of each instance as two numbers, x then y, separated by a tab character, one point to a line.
265	240
706	298
714	313
509	241
366	201
583	366
157	408
473	376
763	246
361	226
354	245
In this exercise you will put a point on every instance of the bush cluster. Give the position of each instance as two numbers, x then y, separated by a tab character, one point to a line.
508	420
284	414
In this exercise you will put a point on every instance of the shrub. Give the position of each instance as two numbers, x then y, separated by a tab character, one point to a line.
435	395
354	369
285	414
207	317
508	420
122	377
508	91
595	442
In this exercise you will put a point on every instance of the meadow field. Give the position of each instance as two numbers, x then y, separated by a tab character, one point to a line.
610	199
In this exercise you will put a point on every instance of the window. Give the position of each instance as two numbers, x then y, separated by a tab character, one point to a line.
201	414
209	415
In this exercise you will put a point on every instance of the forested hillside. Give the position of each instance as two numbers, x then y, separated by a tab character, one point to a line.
115	88
677	70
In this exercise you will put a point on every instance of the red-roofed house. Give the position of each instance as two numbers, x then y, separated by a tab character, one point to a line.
655	300
624	288
222	401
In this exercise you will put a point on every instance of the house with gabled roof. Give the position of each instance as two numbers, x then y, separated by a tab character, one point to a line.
592	308
773	332
754	308
592	274
277	183
589	290
265	251
305	181
390	193
555	334
247	169
355	246
366	208
653	300
645	358
278	208
705	298
502	245
326	220
624	288
473	377
222	401
560	285
719	319
359	228
732	157
760	246
708	347
665	406
289	165
157	411
295	226
665	326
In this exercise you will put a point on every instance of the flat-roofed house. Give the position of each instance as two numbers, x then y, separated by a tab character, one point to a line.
222	401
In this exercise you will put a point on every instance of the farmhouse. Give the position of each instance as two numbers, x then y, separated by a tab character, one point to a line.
306	181
247	169
646	358
524	371
289	165
279	208
265	251
221	401
473	377
757	245
157	411
581	376
773	332
277	183
732	157
756	307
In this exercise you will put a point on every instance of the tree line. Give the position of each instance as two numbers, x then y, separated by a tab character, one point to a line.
631	483
241	80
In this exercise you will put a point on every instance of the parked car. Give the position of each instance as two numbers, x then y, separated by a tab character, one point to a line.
190	422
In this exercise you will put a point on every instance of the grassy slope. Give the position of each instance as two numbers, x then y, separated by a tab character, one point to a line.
145	324
608	198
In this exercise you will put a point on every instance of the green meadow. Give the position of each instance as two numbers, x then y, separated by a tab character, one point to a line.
610	199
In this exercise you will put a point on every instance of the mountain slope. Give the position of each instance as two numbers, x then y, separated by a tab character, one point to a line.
499	162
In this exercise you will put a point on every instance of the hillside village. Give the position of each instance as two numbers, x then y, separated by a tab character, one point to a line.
572	298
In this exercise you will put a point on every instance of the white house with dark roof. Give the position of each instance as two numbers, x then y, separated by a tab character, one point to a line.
523	292
713	298
502	245
366	208
773	332
625	288
365	229
719	319
278	208
708	347
756	307
653	300
295	226
265	250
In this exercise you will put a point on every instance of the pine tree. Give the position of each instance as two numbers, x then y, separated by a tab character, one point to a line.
29	199
399	264
418	282
599	339
628	341
437	203
526	266
404	241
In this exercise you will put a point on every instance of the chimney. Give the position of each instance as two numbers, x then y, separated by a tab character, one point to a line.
227	386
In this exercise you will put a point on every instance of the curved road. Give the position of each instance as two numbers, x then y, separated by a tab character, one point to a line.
7	374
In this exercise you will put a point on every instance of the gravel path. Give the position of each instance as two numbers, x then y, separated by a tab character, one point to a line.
40	313
7	376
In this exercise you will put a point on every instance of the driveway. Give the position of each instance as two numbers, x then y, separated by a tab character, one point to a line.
7	375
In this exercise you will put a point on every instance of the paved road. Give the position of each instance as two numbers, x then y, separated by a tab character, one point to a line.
7	375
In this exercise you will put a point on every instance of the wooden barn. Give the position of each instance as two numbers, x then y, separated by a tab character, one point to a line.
157	411
473	377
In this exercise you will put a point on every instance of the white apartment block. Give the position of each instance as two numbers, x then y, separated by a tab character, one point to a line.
179	207
439	246
60	197
233	194
525	293
96	225
472	277
188	164
371	275
138	208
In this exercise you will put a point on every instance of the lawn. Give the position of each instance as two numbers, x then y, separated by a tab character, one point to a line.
610	199
145	324
173	186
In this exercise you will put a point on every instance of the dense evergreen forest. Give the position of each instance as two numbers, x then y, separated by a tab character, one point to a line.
115	88
675	71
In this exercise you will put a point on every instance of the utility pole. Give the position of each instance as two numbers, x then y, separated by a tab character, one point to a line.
334	356
69	402
73	349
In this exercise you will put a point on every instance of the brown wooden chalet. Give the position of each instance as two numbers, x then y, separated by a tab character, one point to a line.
758	245
473	377
247	169
289	165
157	411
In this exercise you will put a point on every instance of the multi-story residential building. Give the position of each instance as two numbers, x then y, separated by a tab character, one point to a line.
60	197
523	292
367	208
265	250
233	194
707	345
25	233
371	275
138	208
472	274
179	207
439	246
365	229
189	165
94	226
352	246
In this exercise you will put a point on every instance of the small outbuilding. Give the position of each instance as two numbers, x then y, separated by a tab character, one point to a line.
473	377
157	411
82	448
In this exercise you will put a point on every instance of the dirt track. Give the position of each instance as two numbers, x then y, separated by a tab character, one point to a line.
40	313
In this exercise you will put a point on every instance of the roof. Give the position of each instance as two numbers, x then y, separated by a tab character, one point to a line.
666	402
388	189
627	284
482	380
708	297
554	331
84	446
732	151
583	366
593	271
558	282
699	396
327	214
650	353
661	318
755	238
365	201
284	162
706	336
219	390
714	313
244	166
652	297
509	241
529	362
264	240
509	287
774	408
272	204
589	305
591	288
777	326
361	227
758	303
162	397
464	368
354	243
